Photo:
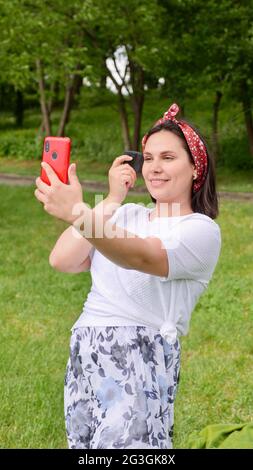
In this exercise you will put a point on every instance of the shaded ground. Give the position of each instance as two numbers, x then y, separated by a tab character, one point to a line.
96	186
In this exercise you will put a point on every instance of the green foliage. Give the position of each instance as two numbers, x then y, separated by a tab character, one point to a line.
234	151
96	133
95	96
33	30
198	47
24	144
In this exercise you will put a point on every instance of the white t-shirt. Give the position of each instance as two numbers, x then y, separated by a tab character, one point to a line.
121	297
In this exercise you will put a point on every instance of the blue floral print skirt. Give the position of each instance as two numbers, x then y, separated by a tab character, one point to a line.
120	387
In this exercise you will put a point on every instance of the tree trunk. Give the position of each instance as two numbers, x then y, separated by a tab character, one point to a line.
138	107
79	84
122	112
43	103
19	108
246	103
49	107
137	99
72	88
68	102
104	75
51	99
124	122
215	139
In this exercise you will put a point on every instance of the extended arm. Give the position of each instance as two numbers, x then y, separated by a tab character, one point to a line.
122	247
71	253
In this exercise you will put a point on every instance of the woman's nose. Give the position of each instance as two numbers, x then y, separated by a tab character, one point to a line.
156	166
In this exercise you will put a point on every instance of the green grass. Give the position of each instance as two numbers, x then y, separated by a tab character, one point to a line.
39	306
217	371
88	171
236	181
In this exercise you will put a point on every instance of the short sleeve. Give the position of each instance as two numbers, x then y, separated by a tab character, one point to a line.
193	249
122	214
91	253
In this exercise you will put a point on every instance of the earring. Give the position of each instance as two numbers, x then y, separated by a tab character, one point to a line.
194	176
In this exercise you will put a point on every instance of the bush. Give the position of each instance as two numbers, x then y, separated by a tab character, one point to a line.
234	153
95	146
21	144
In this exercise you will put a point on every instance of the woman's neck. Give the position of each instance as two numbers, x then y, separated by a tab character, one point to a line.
166	209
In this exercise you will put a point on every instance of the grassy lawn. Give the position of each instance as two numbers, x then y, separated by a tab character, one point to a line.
217	371
89	171
39	305
236	181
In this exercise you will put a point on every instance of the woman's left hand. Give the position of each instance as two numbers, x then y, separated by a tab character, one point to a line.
59	199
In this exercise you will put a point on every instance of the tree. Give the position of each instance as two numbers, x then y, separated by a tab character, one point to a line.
15	76
42	44
225	47
117	27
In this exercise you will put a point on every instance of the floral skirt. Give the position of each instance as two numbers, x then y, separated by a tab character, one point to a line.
120	387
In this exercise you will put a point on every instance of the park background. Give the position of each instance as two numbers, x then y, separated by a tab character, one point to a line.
101	72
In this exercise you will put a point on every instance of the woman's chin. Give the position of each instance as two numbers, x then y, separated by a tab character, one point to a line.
158	193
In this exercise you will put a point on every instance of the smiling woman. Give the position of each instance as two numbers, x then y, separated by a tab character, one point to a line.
148	267
204	200
147	157
168	178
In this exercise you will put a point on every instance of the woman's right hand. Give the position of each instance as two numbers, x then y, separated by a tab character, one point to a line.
121	177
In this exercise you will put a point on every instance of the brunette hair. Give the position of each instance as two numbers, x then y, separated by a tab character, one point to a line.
205	200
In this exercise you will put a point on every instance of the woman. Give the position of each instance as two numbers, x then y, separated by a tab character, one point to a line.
149	266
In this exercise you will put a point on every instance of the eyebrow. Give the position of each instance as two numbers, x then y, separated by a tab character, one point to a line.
161	153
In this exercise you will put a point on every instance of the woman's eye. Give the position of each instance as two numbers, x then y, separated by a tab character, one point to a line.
148	158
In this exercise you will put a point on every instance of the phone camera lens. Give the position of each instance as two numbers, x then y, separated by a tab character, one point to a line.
54	155
47	146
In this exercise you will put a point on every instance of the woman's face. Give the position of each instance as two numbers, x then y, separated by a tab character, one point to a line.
167	170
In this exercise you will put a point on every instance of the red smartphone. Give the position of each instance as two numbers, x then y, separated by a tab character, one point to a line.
56	152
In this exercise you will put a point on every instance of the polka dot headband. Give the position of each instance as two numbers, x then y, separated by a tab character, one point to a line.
196	146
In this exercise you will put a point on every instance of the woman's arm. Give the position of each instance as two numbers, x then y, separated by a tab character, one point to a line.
123	248
71	253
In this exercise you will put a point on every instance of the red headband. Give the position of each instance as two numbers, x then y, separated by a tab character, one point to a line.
196	146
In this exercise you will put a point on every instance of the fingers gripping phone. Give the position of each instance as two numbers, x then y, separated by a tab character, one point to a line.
56	152
137	161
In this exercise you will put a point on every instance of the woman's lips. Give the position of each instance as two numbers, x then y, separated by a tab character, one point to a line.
157	183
